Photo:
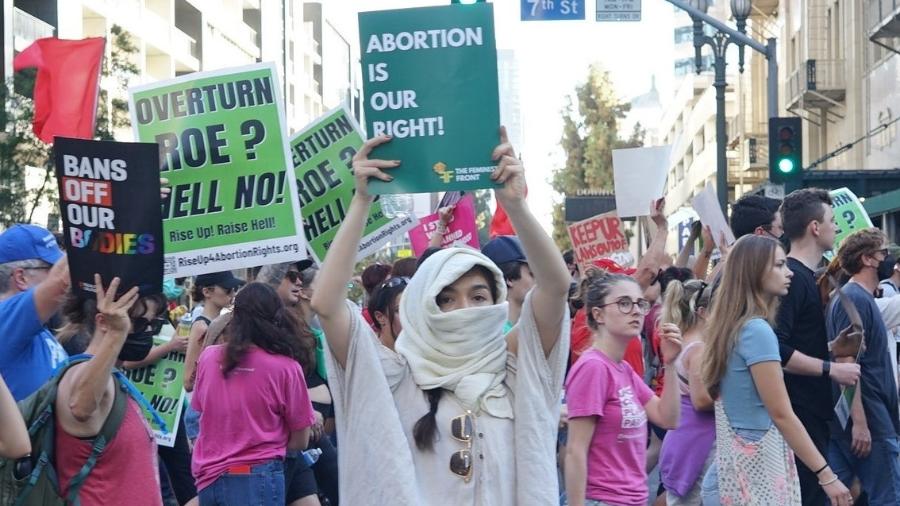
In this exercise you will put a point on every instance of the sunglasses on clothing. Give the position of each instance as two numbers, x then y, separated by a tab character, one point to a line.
461	428
395	282
141	325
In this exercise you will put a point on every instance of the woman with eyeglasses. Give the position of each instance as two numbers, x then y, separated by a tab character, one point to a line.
253	402
686	452
609	404
757	431
384	306
456	413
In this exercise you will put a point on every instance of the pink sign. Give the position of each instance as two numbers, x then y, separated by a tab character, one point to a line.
460	231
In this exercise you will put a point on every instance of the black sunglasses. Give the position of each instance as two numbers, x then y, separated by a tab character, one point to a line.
395	282
292	276
141	325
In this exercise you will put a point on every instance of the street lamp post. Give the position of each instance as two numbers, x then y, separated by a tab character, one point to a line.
719	43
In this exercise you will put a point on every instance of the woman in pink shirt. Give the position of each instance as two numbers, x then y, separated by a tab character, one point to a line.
253	404
609	404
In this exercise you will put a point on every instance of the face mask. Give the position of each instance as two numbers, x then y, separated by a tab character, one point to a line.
137	346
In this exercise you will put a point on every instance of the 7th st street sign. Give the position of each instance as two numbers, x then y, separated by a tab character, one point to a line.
552	10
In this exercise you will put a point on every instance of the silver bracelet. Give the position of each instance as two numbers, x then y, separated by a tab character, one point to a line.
829	482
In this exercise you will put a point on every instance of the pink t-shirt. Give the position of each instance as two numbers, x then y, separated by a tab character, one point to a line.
616	395
247	417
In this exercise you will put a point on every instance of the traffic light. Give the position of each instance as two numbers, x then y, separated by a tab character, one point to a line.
785	150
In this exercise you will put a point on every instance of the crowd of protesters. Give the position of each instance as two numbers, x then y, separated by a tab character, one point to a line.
507	376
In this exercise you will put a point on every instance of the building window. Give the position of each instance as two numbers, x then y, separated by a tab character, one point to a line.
684	34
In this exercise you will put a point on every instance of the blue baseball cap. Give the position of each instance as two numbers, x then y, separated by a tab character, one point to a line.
503	249
28	242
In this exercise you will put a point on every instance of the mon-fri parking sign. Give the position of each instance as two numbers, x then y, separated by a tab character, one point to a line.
618	10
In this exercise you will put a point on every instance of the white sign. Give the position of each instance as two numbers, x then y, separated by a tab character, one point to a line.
618	10
639	175
707	206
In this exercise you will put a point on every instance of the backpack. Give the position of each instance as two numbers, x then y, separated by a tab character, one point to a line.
41	485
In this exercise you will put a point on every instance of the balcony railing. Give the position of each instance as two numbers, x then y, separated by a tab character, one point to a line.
27	29
817	84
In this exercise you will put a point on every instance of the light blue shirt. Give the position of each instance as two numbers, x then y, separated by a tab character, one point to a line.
756	343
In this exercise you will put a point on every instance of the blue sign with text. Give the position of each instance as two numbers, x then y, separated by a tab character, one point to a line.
552	10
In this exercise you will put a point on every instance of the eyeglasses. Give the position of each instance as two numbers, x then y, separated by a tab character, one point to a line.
229	291
461	428
883	251
47	268
695	301
292	276
626	305
395	282
141	325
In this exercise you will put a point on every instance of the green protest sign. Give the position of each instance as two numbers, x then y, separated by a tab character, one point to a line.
430	82
849	214
223	149
163	385
322	154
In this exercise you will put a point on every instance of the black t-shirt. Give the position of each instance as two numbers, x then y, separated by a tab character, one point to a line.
879	390
801	327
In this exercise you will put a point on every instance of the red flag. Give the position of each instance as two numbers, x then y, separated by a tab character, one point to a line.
500	224
65	91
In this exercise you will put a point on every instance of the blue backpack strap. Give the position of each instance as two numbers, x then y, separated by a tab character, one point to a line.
136	394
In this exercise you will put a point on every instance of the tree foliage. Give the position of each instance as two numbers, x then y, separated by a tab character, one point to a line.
20	149
590	133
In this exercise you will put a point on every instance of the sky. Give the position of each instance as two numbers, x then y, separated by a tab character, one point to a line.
553	58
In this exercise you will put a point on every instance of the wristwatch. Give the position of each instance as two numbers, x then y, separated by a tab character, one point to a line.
826	368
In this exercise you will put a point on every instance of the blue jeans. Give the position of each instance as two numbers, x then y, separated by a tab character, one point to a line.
879	473
191	422
262	486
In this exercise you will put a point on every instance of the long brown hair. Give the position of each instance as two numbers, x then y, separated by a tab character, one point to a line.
739	298
261	319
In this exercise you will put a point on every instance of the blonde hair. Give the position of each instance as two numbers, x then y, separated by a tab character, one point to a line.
681	302
739	298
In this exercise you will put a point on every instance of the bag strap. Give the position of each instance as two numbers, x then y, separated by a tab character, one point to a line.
107	432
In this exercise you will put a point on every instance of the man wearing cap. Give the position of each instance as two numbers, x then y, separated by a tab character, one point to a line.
34	279
506	251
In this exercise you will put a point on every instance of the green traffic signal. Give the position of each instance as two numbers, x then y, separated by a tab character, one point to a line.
786	151
786	166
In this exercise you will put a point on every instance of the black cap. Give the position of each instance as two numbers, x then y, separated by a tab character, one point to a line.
225	279
304	264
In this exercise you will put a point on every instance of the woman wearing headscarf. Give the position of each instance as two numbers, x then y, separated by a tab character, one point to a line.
458	414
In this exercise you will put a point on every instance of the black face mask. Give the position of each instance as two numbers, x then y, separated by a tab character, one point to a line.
137	346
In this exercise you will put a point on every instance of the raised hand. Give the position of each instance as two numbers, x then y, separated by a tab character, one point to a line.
113	310
669	342
509	172
365	168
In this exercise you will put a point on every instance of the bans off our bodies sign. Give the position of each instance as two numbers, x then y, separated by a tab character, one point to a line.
222	147
109	197
430	82
597	237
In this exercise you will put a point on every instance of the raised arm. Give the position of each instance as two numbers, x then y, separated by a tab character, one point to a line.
446	216
85	391
331	283
652	260
50	293
685	254
551	276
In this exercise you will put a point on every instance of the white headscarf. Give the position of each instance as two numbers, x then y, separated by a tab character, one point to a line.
463	350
